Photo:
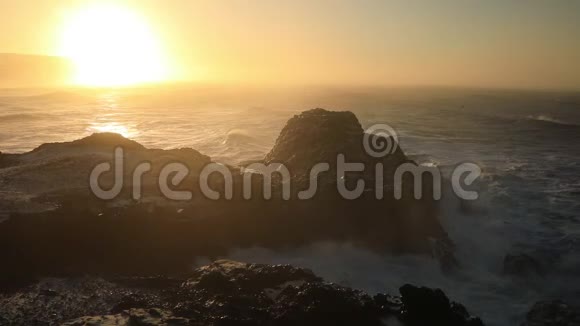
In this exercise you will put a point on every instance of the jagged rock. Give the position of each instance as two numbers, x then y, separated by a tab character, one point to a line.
239	293
553	313
424	306
225	293
51	301
325	304
316	136
319	136
522	265
247	277
259	294
389	303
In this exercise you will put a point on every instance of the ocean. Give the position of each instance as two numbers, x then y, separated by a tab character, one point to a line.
527	144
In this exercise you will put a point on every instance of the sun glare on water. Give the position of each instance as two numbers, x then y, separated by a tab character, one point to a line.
111	45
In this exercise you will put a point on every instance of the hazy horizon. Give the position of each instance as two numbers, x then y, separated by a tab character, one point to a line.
18	78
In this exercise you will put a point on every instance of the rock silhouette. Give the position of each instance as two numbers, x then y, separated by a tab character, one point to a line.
224	293
54	224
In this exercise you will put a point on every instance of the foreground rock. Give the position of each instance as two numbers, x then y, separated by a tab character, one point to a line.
225	293
142	317
424	306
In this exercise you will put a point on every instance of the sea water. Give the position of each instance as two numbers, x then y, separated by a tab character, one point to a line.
527	143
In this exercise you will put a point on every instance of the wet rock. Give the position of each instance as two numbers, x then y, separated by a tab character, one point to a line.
553	313
389	303
35	305
258	294
226	293
141	317
325	304
229	292
221	275
425	306
522	265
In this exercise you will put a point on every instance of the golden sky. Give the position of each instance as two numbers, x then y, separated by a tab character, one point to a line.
522	44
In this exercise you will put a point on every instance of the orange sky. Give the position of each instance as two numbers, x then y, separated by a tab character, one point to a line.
522	44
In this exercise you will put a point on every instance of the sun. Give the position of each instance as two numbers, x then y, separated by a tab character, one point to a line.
111	45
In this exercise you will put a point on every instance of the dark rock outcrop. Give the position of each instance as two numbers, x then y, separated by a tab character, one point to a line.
316	136
425	306
253	294
319	136
553	313
224	293
52	224
64	168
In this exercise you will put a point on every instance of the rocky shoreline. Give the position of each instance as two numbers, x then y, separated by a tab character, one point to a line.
71	257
